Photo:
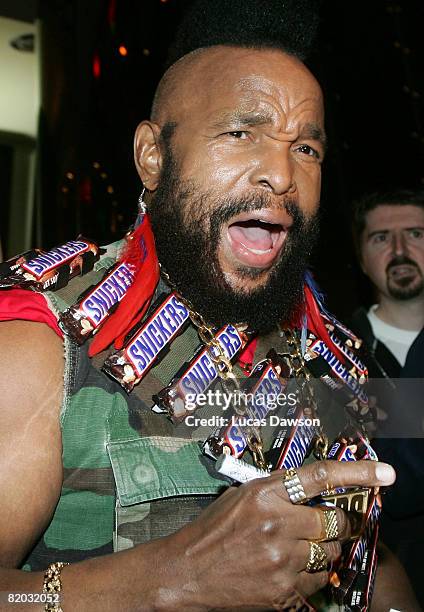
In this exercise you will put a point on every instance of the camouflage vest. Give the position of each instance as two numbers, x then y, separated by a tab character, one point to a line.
130	475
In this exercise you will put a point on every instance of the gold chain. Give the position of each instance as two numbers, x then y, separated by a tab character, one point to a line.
231	384
225	372
297	365
224	366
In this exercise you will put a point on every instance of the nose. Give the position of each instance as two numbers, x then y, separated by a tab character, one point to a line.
399	246
274	170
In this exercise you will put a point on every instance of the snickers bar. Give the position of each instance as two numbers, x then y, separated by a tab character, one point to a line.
351	445
358	598
85	318
12	265
231	439
150	340
197	376
321	349
352	339
354	557
341	451
53	270
293	443
349	354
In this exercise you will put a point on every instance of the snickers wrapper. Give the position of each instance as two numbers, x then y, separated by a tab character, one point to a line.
293	442
12	265
323	363
351	445
53	269
148	342
197	376
84	318
359	596
263	383
354	556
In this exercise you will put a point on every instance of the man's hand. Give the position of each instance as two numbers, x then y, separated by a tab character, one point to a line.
249	549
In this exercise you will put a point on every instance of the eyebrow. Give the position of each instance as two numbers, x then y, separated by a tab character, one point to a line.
312	131
240	118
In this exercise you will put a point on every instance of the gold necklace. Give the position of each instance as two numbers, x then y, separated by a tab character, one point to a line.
231	385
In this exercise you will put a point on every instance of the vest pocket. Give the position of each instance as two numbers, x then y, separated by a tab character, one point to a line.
162	483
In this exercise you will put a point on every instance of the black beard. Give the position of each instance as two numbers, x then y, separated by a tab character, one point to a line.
406	288
187	227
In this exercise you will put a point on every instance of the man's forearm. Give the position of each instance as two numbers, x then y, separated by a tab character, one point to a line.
127	580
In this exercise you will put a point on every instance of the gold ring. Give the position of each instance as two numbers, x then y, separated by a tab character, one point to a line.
294	487
318	559
329	490
330	525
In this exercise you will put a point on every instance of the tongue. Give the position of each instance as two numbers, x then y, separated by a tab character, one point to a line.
255	237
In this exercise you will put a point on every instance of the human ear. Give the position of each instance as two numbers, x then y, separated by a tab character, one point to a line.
147	154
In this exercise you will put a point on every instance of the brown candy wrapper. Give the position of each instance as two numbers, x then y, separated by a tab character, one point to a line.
178	399
12	265
148	341
354	554
359	595
263	383
84	318
52	270
292	443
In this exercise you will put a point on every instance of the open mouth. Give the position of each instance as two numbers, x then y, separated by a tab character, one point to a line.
256	240
402	271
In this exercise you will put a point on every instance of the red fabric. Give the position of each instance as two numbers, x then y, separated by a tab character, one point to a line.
20	304
248	353
140	252
23	305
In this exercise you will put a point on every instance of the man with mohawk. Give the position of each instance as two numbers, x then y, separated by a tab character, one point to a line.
231	162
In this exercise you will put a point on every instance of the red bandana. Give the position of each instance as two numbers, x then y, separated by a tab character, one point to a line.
140	251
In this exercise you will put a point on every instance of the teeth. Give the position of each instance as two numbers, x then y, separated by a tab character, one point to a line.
257	251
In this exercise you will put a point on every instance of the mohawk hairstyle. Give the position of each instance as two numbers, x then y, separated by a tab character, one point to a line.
289	25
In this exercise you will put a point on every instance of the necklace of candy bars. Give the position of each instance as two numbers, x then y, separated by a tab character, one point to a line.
213	359
146	344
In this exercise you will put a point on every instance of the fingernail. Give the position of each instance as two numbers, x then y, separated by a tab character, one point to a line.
385	473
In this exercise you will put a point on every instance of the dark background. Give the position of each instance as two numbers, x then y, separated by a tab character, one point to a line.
369	60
